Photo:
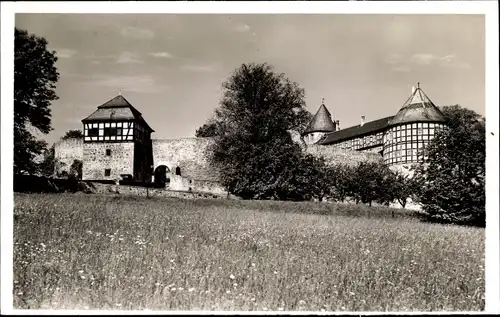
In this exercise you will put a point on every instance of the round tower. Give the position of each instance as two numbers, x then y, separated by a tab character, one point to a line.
320	125
411	130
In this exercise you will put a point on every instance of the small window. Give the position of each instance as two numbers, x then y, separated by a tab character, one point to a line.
108	152
107	172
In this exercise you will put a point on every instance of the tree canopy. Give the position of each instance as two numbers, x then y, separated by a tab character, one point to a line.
72	134
35	76
452	179
253	150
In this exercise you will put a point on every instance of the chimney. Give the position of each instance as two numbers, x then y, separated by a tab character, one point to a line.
362	120
337	125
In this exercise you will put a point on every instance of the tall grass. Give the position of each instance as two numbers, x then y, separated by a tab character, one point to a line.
98	252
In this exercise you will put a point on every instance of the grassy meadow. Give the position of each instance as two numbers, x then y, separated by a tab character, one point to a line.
77	251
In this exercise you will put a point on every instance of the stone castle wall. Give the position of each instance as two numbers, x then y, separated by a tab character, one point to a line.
187	154
66	151
95	160
336	156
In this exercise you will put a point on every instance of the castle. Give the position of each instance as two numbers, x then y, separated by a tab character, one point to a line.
117	144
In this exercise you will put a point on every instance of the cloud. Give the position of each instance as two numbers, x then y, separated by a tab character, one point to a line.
394	59
139	83
448	58
423	58
65	53
161	55
128	58
242	28
401	63
197	68
456	64
137	33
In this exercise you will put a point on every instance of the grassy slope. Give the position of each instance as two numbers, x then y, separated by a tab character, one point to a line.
97	252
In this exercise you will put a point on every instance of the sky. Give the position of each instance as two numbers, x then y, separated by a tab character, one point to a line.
171	66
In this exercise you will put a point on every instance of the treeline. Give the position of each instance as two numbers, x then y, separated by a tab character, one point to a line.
311	178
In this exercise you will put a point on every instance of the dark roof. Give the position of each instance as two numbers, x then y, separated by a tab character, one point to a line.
418	108
356	131
321	122
117	109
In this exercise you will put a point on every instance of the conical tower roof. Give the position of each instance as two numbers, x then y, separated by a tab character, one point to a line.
321	122
418	108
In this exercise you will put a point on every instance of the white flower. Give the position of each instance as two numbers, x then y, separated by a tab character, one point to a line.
231	276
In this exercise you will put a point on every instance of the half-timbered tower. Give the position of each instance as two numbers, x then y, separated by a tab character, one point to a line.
117	143
411	129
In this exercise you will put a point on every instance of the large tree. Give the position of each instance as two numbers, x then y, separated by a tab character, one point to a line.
253	149
35	76
452	179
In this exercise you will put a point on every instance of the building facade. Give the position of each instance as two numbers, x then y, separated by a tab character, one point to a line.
117	143
399	139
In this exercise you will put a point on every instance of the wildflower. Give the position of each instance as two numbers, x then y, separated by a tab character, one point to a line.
228	291
119	305
157	284
231	276
191	289
235	284
275	272
352	293
253	264
280	308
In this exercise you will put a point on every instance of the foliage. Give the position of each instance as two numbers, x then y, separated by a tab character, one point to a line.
254	150
35	76
341	181
72	134
452	180
47	166
230	255
75	170
404	187
370	181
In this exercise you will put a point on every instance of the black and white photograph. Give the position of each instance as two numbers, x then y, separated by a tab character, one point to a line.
205	158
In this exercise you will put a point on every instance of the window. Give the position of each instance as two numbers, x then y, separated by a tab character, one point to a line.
108	152
107	172
178	171
93	132
112	131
